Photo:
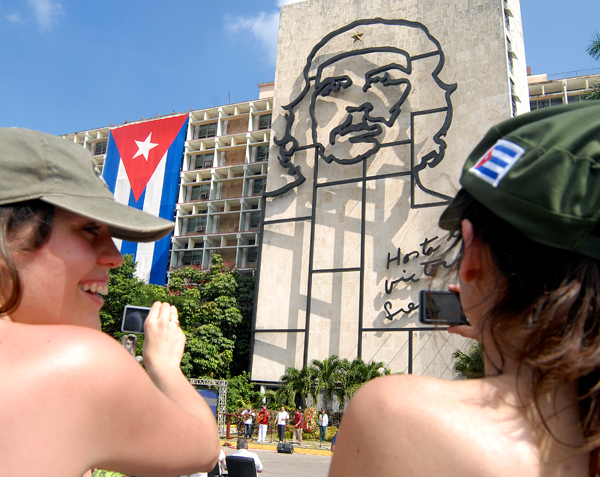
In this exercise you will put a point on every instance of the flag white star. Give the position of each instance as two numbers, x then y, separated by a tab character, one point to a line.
144	147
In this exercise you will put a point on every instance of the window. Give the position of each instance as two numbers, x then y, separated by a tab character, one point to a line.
202	161
257	187
255	220
192	257
576	98
545	103
196	225
252	255
200	192
264	121
207	130
262	153
100	148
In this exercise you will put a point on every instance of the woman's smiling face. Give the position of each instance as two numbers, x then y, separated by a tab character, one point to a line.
63	280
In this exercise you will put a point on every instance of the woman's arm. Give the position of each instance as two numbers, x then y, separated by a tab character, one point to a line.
152	423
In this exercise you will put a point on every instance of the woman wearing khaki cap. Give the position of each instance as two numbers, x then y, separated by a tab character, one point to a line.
528	225
72	398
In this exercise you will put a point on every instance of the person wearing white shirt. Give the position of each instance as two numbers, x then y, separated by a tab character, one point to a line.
242	446
323	423
282	418
248	415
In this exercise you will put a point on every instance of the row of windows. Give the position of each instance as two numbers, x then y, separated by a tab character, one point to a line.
210	130
198	224
202	191
547	103
194	257
203	161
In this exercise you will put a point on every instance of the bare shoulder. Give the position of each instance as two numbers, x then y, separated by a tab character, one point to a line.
70	364
409	425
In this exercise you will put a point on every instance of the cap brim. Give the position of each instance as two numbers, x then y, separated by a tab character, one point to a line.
450	218
124	222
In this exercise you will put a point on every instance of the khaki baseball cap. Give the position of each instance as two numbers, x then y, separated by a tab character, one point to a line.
540	172
36	165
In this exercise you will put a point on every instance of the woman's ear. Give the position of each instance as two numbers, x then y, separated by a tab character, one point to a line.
471	265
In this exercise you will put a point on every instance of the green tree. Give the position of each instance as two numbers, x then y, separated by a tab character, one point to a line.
208	315
124	288
470	365
360	373
241	393
593	50
296	384
208	312
330	376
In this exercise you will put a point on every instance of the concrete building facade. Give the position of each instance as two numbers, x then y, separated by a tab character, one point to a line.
376	107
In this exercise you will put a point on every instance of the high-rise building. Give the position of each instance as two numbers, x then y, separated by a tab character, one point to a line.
222	175
568	88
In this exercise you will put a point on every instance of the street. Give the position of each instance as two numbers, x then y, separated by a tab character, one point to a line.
297	465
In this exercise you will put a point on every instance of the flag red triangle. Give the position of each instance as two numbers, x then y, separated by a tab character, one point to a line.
163	133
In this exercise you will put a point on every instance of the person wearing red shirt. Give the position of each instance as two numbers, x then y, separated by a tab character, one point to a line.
263	423
298	419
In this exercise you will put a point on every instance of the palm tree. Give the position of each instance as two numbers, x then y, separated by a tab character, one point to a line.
593	50
470	365
329	376
296	385
360	372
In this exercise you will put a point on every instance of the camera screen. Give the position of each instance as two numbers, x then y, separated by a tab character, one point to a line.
440	307
133	319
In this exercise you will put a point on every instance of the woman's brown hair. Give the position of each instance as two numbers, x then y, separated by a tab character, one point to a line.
547	316
24	226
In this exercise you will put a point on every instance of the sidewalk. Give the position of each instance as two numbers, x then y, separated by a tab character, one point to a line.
308	446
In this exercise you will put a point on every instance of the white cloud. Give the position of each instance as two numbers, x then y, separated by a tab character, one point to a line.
46	12
287	2
13	17
264	27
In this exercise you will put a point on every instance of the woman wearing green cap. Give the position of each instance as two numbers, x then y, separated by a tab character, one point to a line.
528	225
72	398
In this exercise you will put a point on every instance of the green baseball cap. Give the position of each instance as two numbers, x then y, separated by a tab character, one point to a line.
37	165
540	172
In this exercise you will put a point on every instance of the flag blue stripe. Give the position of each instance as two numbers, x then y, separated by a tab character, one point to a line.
506	150
488	172
167	205
498	162
111	164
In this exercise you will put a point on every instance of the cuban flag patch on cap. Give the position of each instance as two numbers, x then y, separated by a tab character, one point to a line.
496	163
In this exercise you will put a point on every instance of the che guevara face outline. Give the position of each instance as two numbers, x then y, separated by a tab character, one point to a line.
370	130
365	121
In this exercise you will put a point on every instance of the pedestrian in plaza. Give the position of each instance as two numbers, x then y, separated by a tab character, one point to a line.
323	423
298	422
263	424
248	415
91	405
282	418
526	228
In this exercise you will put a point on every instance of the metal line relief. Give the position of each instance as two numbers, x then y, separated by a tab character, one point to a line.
372	98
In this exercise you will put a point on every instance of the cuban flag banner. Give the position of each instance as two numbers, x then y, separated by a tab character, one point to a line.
142	168
496	163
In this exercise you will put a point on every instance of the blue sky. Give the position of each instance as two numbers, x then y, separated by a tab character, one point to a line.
71	65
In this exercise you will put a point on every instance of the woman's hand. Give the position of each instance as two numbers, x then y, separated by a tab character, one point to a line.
164	341
467	331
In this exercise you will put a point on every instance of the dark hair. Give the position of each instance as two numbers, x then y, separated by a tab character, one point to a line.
547	316
14	218
242	443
